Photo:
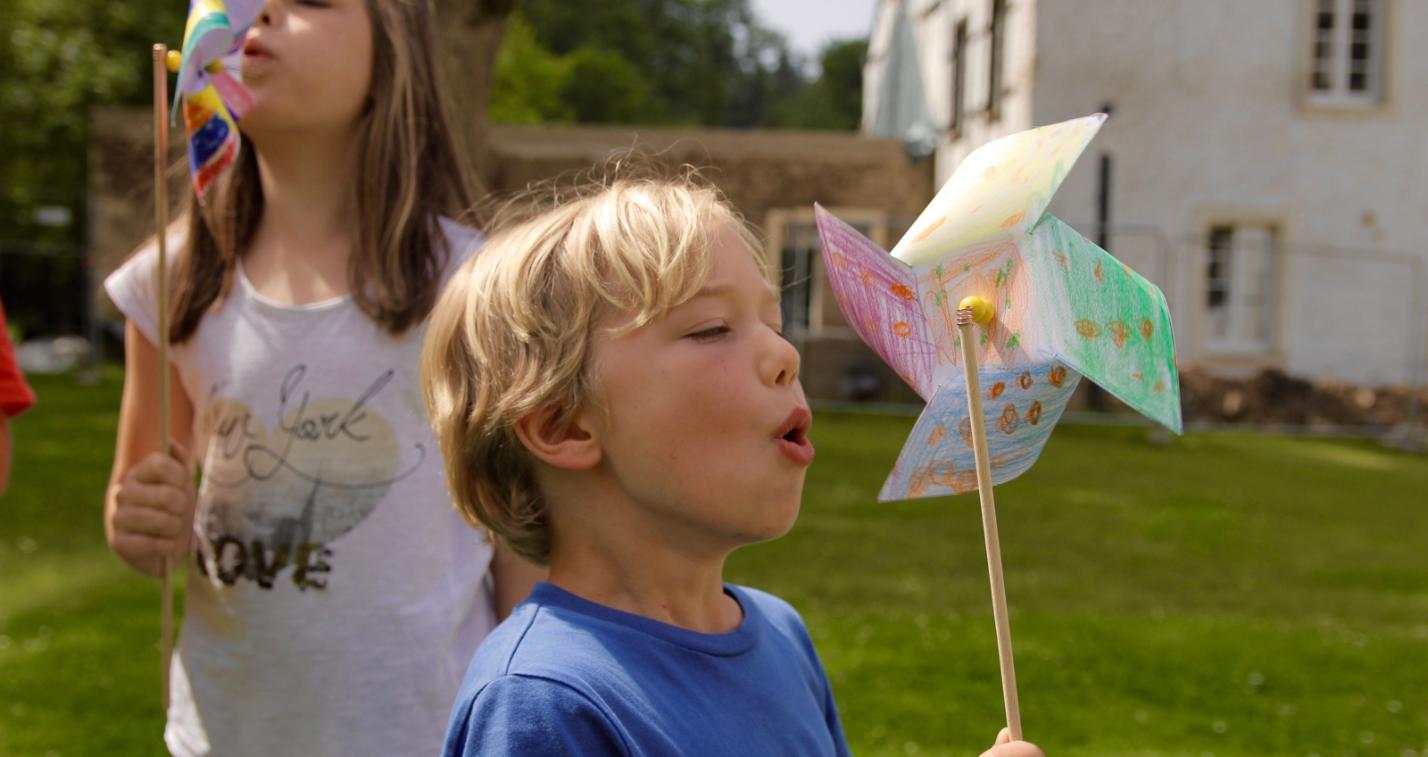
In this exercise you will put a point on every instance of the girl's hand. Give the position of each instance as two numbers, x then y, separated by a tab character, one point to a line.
1005	747
152	517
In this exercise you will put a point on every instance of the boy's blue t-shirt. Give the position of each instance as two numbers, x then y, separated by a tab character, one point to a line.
563	675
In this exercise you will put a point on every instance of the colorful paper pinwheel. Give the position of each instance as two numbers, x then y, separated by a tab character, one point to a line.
1064	308
208	88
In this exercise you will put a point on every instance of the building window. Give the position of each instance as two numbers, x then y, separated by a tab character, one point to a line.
1347	55
807	305
996	34
797	258
959	76
1240	283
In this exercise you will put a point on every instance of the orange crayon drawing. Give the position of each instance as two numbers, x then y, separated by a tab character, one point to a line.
964	429
1013	219
902	329
941	473
1147	329
1024	380
1033	413
918	481
1007	458
936	436
1056	375
945	473
1088	329
1120	332
927	232
996	390
1099	278
903	291
1009	420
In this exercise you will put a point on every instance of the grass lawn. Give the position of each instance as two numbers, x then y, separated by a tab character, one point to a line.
1229	594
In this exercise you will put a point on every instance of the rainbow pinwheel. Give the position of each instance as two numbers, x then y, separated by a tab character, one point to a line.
209	90
1065	308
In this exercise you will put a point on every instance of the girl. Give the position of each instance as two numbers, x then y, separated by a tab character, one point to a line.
334	596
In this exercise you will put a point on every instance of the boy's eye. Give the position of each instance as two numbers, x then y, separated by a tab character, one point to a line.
712	332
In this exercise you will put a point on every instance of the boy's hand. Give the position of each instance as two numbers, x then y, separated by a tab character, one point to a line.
1005	747
153	513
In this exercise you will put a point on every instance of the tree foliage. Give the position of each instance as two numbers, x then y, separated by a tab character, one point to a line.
58	58
705	62
588	84
529	80
835	99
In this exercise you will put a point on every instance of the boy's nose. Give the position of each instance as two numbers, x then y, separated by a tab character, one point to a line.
780	361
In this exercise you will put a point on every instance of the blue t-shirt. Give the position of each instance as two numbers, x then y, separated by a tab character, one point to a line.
563	675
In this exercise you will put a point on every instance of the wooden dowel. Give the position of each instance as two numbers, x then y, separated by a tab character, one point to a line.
161	225
966	327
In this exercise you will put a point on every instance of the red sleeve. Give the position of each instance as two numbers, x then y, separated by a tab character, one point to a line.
15	394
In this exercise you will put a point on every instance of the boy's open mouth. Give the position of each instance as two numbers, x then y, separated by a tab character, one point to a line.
792	436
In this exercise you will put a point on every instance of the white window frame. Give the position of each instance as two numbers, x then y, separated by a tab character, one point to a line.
779	222
1000	11
1253	248
1336	63
957	61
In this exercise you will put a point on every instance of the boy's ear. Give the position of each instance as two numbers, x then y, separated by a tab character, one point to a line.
560	443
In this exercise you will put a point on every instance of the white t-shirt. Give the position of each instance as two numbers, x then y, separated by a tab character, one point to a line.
336	597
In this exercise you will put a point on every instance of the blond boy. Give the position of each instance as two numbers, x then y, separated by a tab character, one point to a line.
614	398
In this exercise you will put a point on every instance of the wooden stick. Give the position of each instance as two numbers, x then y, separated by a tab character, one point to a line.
161	223
965	325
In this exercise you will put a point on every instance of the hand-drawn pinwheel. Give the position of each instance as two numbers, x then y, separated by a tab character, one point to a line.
1037	306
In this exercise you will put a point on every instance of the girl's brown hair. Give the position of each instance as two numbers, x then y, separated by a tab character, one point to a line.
409	169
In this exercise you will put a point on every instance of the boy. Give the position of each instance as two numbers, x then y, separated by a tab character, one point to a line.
614	398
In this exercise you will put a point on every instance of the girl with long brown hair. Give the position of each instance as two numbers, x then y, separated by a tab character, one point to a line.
334	597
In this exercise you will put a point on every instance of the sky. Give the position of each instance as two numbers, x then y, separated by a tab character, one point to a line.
808	24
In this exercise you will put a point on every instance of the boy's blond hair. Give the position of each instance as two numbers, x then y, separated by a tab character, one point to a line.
512	332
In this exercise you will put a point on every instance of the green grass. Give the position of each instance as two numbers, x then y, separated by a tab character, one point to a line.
1228	594
79	661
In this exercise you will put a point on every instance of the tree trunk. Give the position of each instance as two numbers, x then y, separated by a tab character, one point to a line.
469	33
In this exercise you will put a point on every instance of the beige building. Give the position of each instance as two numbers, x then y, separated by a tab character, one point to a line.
1265	162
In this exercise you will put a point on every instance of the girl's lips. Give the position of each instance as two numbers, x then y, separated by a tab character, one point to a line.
254	49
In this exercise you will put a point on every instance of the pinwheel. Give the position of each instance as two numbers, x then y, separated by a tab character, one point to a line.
985	277
212	97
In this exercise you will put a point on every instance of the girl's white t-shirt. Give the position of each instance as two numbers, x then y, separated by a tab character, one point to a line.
335	597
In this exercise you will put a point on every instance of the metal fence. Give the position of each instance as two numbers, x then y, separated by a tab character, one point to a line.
50	291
